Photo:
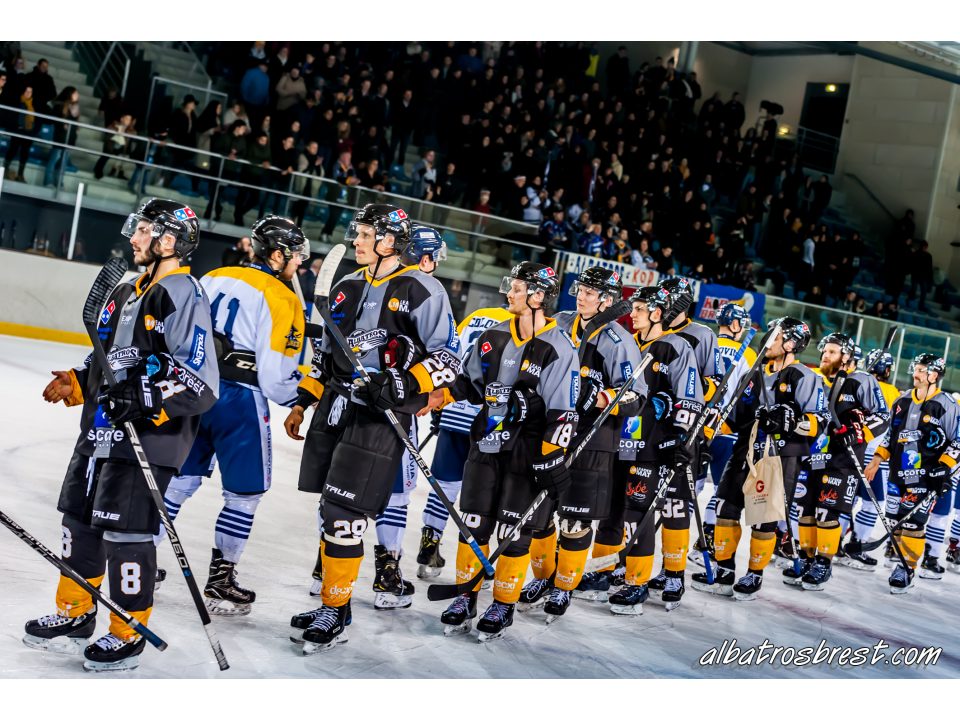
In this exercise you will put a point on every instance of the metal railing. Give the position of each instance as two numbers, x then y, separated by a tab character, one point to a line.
818	151
169	83
108	62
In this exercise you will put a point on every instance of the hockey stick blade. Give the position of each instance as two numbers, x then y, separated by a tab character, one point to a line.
328	270
103	284
891	335
68	571
599	321
870	546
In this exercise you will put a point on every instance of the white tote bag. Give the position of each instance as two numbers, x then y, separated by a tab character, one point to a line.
763	499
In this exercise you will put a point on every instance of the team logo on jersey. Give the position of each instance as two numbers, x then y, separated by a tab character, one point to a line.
341	297
497	394
198	348
362	341
397	215
395	304
107	312
182	214
783	388
293	340
485	348
123	358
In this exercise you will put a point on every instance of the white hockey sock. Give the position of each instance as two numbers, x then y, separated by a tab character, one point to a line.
795	521
844	524
864	521
390	527
234	524
434	513
892	506
710	515
936	531
955	527
178	491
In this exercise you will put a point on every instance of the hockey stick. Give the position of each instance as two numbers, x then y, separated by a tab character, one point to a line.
870	546
426	439
295	282
67	571
437	592
324	283
615	311
105	282
620	557
838	382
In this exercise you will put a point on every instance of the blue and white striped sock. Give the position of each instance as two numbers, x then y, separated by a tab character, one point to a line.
864	521
844	524
434	513
936	531
710	515
955	528
234	524
390	527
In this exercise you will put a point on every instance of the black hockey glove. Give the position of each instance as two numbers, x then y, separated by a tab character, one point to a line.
137	396
939	480
589	391
778	419
386	390
662	404
522	405
551	474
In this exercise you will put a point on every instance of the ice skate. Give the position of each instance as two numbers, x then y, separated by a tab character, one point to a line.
672	592
628	601
223	596
327	630
794	578
393	592
494	621
556	605
856	559
458	617
657	584
316	583
534	594
594	587
722	582
747	587
901	580
305	619
816	576
930	567
952	556
59	633
113	654
429	559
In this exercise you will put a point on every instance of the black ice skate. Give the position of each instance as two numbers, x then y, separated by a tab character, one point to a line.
657	584
316	583
159	579
393	592
890	559
458	617
672	591
112	654
855	558
817	575
629	600
930	566
429	557
494	621
534	594
783	551
594	587
723	580
901	580
793	577
696	552
952	556
224	597
59	633
327	630
557	602
747	587
305	619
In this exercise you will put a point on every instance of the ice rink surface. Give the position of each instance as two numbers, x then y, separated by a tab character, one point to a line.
856	609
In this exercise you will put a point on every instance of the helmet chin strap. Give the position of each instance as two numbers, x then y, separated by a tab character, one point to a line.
156	259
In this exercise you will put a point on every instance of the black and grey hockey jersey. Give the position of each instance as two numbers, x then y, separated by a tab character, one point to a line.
168	319
801	388
610	357
706	350
545	364
860	391
919	435
674	370
402	320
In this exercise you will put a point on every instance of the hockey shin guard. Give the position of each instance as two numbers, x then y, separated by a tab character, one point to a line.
83	550
132	568
543	553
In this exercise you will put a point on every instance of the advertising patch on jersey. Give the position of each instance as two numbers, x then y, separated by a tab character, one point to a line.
613	335
626	368
819	406
615	276
691	390
152	324
198	348
182	214
397	215
108	312
783	388
632	428
485	347
453	340
574	388
395	304
341	297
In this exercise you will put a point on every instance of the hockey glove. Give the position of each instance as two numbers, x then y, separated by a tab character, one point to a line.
551	474
589	391
778	419
662	404
434	422
939	480
386	390
522	405
851	429
137	396
682	458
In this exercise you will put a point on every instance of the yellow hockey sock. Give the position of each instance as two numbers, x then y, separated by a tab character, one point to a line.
119	628
72	599
675	543
760	552
508	580
543	556
602	550
639	570
912	548
725	541
570	568
828	540
339	576
808	539
468	565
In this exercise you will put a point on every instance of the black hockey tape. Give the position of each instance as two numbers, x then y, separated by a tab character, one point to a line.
105	282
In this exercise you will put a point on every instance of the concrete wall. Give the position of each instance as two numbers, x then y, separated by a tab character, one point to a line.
944	226
722	69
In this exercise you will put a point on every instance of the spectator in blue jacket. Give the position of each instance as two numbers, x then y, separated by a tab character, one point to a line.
591	242
255	91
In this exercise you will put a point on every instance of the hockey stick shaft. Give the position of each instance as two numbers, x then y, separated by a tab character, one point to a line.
67	571
870	546
426	440
344	345
295	282
101	359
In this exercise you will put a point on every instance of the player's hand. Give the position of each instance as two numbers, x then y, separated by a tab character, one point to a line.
939	480
134	398
434	402
872	468
292	423
59	388
555	479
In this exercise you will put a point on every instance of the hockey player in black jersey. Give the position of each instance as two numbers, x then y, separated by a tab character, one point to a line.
398	322
526	375
924	423
159	342
608	356
651	445
785	400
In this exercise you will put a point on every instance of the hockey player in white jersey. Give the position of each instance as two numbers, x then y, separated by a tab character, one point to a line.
259	330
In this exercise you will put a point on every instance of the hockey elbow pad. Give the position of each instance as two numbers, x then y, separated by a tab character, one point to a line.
438	370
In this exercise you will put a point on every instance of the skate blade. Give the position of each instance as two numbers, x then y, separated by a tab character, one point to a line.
812	587
309	648
526	607
58	645
901	590
782	562
853	564
793	582
954	568
484	637
923	574
591	595
386	602
551	618
224	608
670	606
890	563
298	640
456	630
721	590
627	610
744	597
316	587
427	572
118	666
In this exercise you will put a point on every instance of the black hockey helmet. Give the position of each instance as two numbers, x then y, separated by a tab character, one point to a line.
386	220
848	346
932	361
793	329
167	217
653	297
276	233
604	280
880	363
681	297
537	276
